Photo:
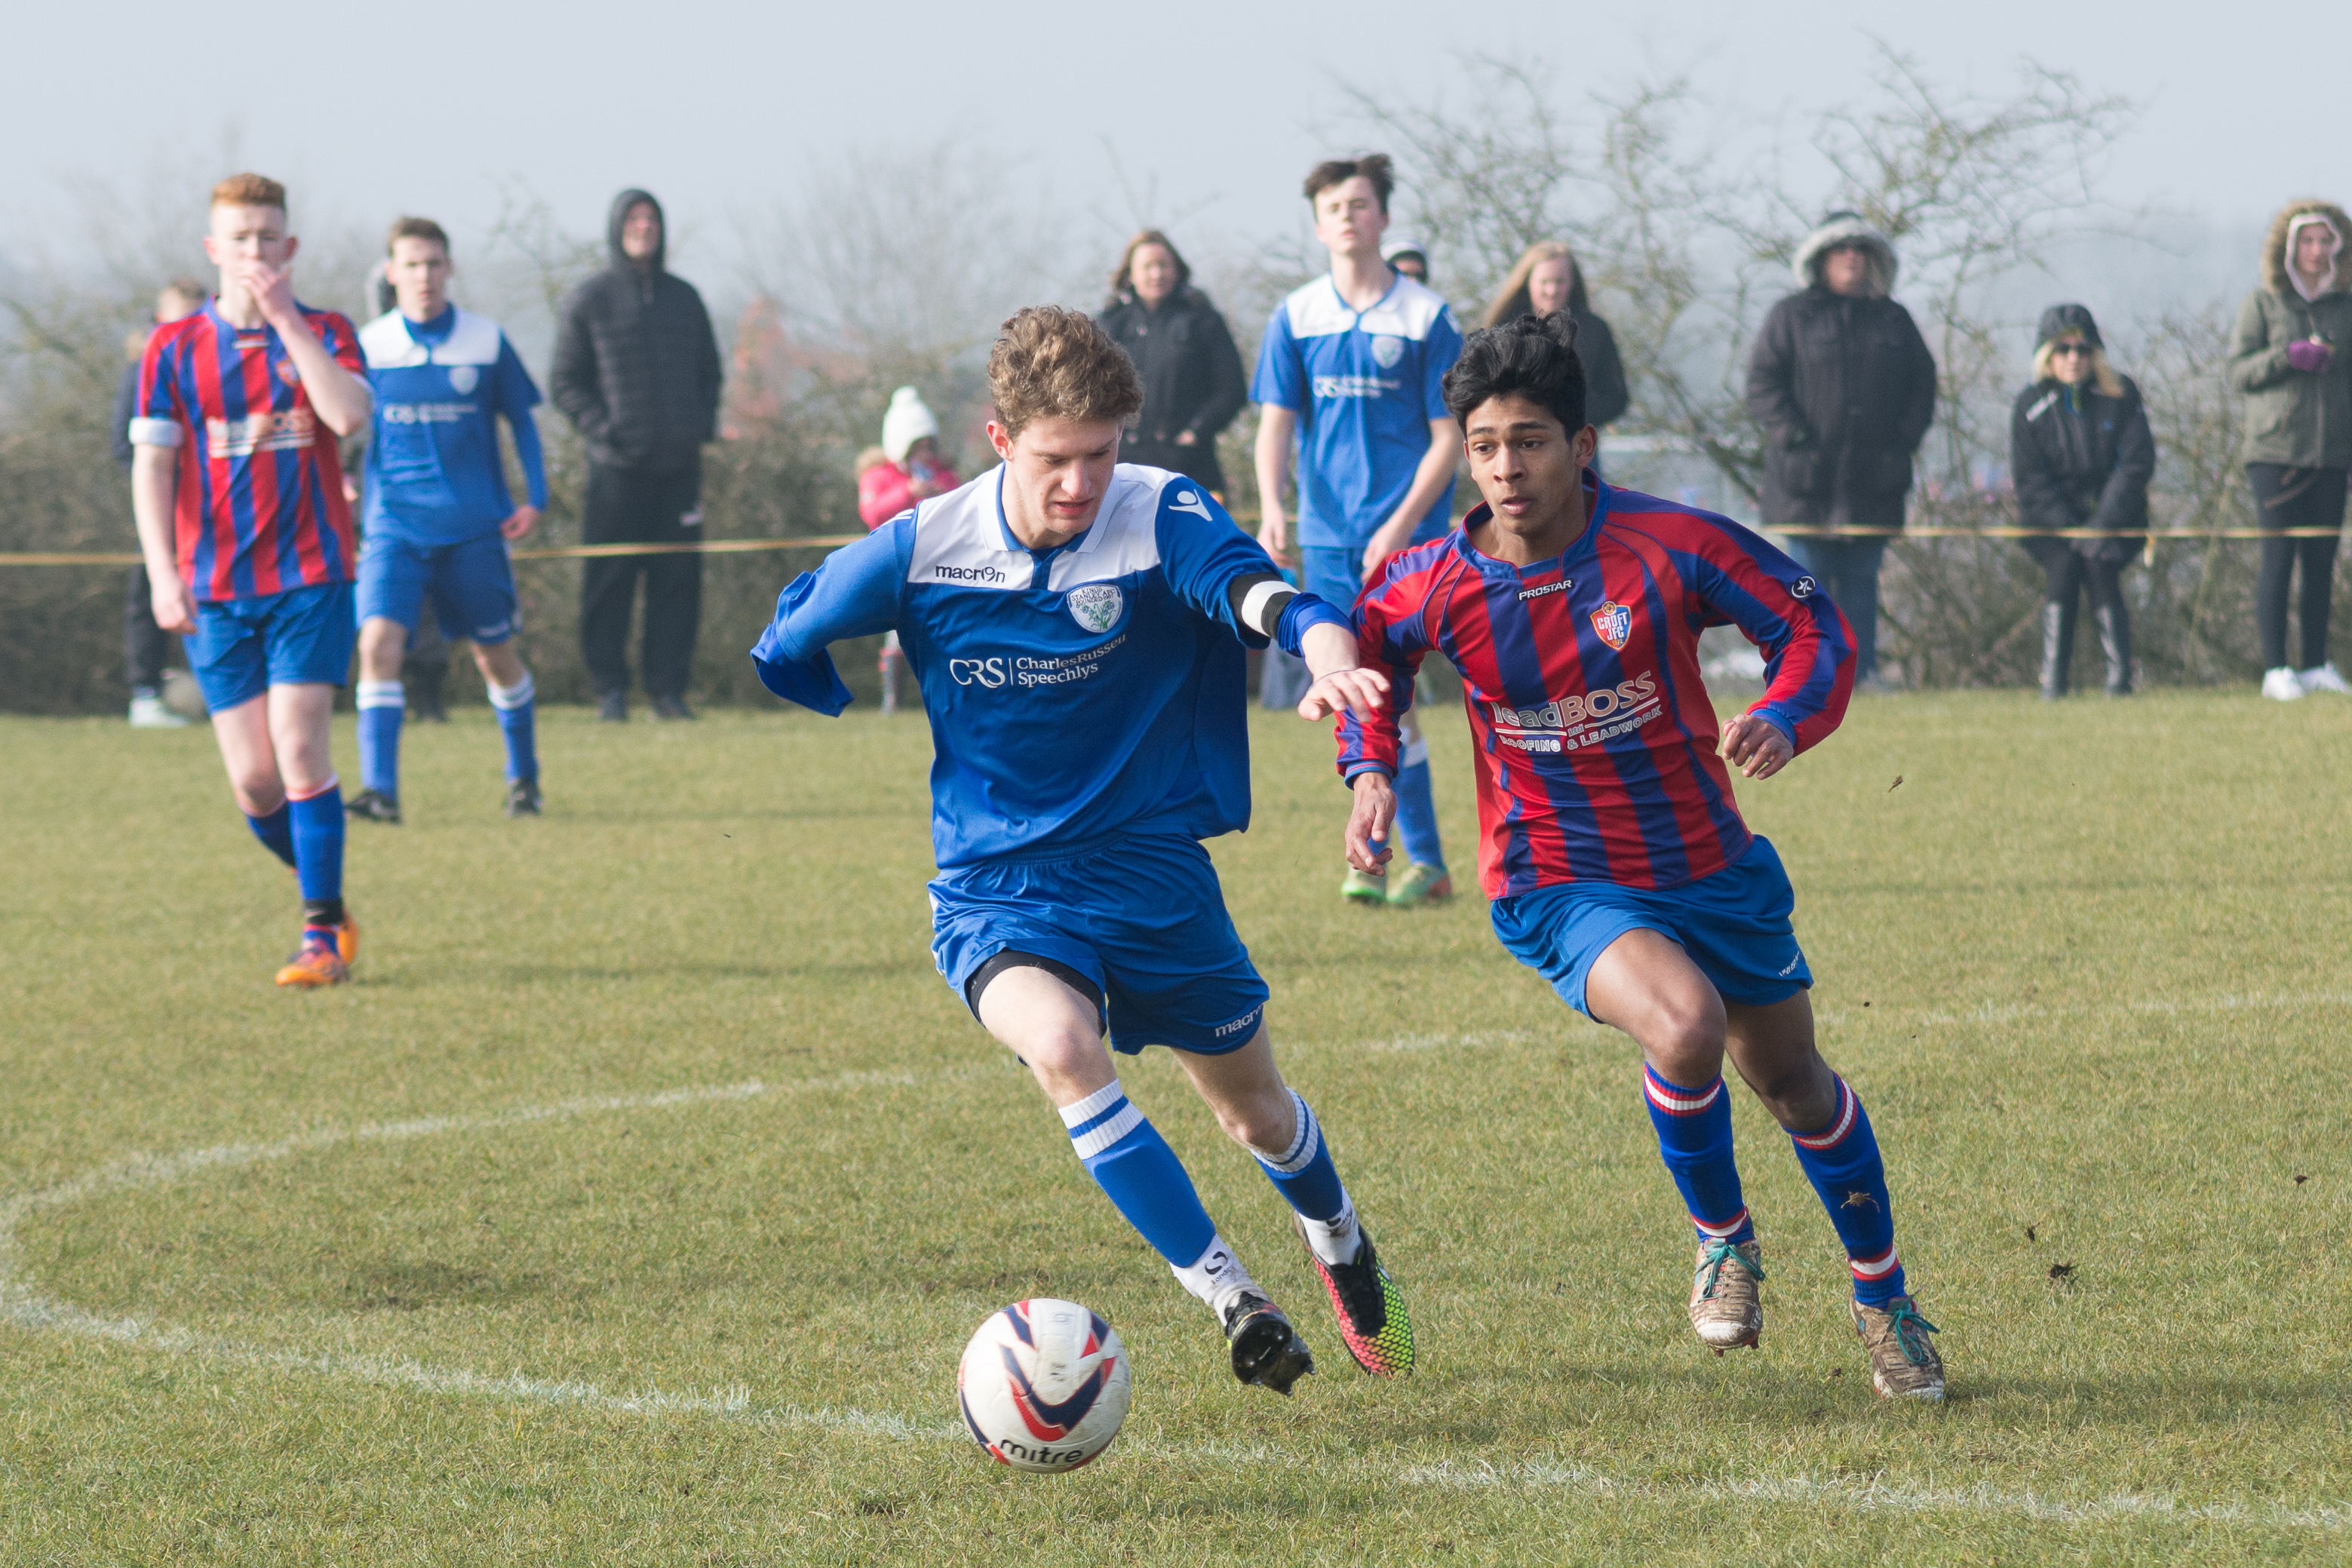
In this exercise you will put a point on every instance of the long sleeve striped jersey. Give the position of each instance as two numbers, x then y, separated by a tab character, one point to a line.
1595	738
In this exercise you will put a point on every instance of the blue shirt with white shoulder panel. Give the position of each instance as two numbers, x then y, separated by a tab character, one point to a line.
1076	695
1365	386
434	474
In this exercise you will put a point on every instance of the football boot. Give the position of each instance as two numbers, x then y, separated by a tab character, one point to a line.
1903	1361
522	797
1266	1349
1371	1309
314	964
1419	884
1727	1309
374	806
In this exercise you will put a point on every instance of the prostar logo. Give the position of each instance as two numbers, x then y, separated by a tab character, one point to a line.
1562	586
1612	623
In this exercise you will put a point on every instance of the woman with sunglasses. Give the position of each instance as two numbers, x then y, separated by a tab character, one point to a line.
2080	446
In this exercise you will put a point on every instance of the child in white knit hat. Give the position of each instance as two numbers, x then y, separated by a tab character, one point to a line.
906	468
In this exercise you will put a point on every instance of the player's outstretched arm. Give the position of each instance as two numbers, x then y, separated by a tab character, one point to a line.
1738	576
852	593
1341	682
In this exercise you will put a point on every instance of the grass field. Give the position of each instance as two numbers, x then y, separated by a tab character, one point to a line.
635	1203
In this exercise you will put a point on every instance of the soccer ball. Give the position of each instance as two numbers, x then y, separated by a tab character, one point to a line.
1044	1386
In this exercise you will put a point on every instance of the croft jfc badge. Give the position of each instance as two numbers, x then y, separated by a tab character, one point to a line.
1387	351
1612	623
288	373
1096	606
462	378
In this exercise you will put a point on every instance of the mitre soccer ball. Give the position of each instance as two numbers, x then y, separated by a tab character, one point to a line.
1044	1386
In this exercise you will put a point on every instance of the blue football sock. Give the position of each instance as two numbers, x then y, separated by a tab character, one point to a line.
319	844
1140	1175
276	832
1416	812
1842	1162
1694	1139
1309	1182
515	708
381	706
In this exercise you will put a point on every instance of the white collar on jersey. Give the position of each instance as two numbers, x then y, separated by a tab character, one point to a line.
388	344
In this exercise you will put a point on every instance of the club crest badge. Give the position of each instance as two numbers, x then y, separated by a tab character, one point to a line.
289	372
462	378
1612	623
1387	352
1096	606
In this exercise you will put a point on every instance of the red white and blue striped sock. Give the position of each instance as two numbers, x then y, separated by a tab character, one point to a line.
1842	1162
1694	1139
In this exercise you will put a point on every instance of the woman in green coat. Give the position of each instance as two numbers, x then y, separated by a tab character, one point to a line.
2291	356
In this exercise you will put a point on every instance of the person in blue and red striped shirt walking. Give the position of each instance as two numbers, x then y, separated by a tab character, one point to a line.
1610	841
237	489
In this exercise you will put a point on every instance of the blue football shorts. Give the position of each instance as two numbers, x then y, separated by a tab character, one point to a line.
1144	919
242	647
471	582
1734	925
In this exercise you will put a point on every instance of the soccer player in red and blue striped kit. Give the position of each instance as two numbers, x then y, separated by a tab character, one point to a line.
239	499
1610	842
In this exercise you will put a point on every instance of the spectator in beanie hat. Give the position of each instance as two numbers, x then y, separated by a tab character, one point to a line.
2289	357
2080	447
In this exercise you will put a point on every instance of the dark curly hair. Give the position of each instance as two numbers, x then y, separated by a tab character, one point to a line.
1532	357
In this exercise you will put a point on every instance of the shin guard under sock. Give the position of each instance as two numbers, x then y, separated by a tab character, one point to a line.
515	708
382	705
276	832
1694	1140
319	843
1842	1162
1140	1175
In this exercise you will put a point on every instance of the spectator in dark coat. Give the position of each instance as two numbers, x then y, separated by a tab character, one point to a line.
1844	389
1545	280
1193	381
2080	447
146	645
636	370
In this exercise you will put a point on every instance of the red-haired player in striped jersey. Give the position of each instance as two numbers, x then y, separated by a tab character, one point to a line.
238	495
1610	842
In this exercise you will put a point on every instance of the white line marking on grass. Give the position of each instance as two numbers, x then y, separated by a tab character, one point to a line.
23	1306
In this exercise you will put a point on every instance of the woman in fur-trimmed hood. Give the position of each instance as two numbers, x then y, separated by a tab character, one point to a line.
2291	355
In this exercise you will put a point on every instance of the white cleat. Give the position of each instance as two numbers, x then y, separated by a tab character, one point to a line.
2324	679
148	713
2283	685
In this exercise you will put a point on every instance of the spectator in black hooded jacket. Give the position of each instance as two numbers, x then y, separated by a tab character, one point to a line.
2080	447
636	370
1844	389
1193	381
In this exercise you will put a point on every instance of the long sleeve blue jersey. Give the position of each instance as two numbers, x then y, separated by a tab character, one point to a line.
434	474
1075	694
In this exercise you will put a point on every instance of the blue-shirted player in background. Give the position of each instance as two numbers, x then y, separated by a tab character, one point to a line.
1351	372
1078	627
438	518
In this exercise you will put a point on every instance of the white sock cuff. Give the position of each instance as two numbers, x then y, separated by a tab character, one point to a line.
1094	1104
380	693
1100	1120
508	698
1306	1143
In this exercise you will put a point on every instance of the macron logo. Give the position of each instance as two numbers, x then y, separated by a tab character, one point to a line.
982	574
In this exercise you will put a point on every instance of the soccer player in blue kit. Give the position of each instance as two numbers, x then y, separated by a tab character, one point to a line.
1349	372
438	518
1078	627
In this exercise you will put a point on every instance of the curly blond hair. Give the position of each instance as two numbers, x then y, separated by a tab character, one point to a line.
1054	363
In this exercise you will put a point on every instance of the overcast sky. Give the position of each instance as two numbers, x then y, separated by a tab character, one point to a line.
1214	108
